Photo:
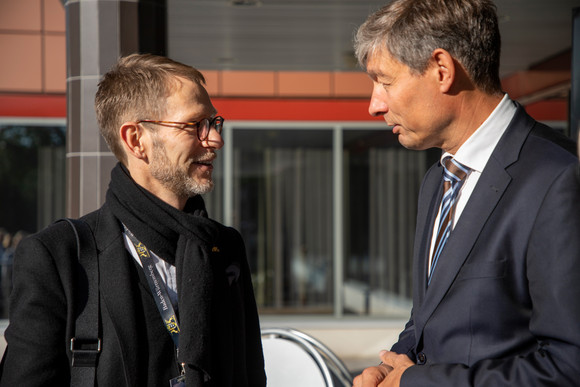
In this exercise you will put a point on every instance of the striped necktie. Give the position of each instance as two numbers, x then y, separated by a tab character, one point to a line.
454	174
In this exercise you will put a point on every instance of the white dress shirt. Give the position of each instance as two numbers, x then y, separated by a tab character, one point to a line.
165	269
475	153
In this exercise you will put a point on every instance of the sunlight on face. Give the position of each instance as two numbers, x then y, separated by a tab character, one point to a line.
410	103
176	177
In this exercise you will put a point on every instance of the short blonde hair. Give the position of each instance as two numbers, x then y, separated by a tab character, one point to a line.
137	88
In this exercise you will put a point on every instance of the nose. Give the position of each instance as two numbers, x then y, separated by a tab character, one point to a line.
214	140
378	105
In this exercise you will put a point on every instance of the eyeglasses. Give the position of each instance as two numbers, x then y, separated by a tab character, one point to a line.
202	127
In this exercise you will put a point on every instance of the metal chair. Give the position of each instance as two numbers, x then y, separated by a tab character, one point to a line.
293	358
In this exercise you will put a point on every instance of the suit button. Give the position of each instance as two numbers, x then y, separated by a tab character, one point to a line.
421	358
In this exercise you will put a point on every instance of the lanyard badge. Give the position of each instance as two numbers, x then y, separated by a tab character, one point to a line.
161	297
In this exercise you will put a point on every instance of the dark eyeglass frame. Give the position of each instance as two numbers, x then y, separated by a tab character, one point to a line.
202	127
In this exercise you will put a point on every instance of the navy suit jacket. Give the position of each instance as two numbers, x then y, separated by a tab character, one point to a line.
503	306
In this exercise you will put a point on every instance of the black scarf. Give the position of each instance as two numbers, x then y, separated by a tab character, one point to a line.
184	239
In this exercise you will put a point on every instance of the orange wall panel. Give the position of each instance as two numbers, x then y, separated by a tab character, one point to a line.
54	64
304	84
211	81
22	68
248	83
54	16
355	84
20	15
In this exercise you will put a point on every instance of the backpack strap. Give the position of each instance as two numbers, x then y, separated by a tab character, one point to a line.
85	346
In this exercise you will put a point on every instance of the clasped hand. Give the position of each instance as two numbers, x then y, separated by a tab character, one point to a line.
386	374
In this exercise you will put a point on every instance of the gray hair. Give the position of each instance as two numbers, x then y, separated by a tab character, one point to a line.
410	30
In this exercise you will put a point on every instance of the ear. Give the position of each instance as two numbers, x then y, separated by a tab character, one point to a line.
132	138
444	67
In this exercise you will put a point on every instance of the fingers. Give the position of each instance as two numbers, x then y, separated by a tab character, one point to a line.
395	360
392	364
372	376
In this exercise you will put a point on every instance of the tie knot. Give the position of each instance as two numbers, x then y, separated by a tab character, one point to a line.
454	170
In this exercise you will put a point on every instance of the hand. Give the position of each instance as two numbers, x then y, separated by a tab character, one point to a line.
372	376
387	374
399	364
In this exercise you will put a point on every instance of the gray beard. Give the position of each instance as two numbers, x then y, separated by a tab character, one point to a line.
174	177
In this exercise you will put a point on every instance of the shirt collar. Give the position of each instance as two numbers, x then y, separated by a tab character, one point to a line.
476	151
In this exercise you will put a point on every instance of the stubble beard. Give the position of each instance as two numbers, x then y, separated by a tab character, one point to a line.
176	178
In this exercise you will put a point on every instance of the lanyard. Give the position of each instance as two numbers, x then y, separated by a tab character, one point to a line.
157	288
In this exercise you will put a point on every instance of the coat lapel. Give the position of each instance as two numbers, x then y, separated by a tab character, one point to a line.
430	196
489	189
118	302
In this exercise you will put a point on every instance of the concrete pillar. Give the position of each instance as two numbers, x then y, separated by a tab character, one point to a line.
98	33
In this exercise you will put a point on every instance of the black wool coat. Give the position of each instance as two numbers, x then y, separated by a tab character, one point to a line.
137	350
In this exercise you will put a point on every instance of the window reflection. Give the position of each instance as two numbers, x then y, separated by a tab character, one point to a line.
283	207
381	186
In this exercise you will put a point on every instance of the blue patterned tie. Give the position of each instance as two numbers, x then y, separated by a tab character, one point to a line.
454	174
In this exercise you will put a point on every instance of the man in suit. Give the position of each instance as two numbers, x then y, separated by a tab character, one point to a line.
497	245
158	120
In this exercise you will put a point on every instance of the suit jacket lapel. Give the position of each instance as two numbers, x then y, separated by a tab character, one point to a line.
430	196
489	189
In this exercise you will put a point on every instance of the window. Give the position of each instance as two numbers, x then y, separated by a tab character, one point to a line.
32	172
381	183
281	187
282	190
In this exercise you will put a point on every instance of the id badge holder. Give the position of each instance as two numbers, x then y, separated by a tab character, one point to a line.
178	381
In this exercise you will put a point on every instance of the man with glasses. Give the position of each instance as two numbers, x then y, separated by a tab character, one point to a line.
176	299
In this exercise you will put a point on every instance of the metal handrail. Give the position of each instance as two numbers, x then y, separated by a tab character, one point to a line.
319	352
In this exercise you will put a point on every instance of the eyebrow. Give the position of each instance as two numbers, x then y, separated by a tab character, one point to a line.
375	75
372	75
202	116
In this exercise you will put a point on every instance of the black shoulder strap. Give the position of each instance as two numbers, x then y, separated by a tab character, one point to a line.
85	346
